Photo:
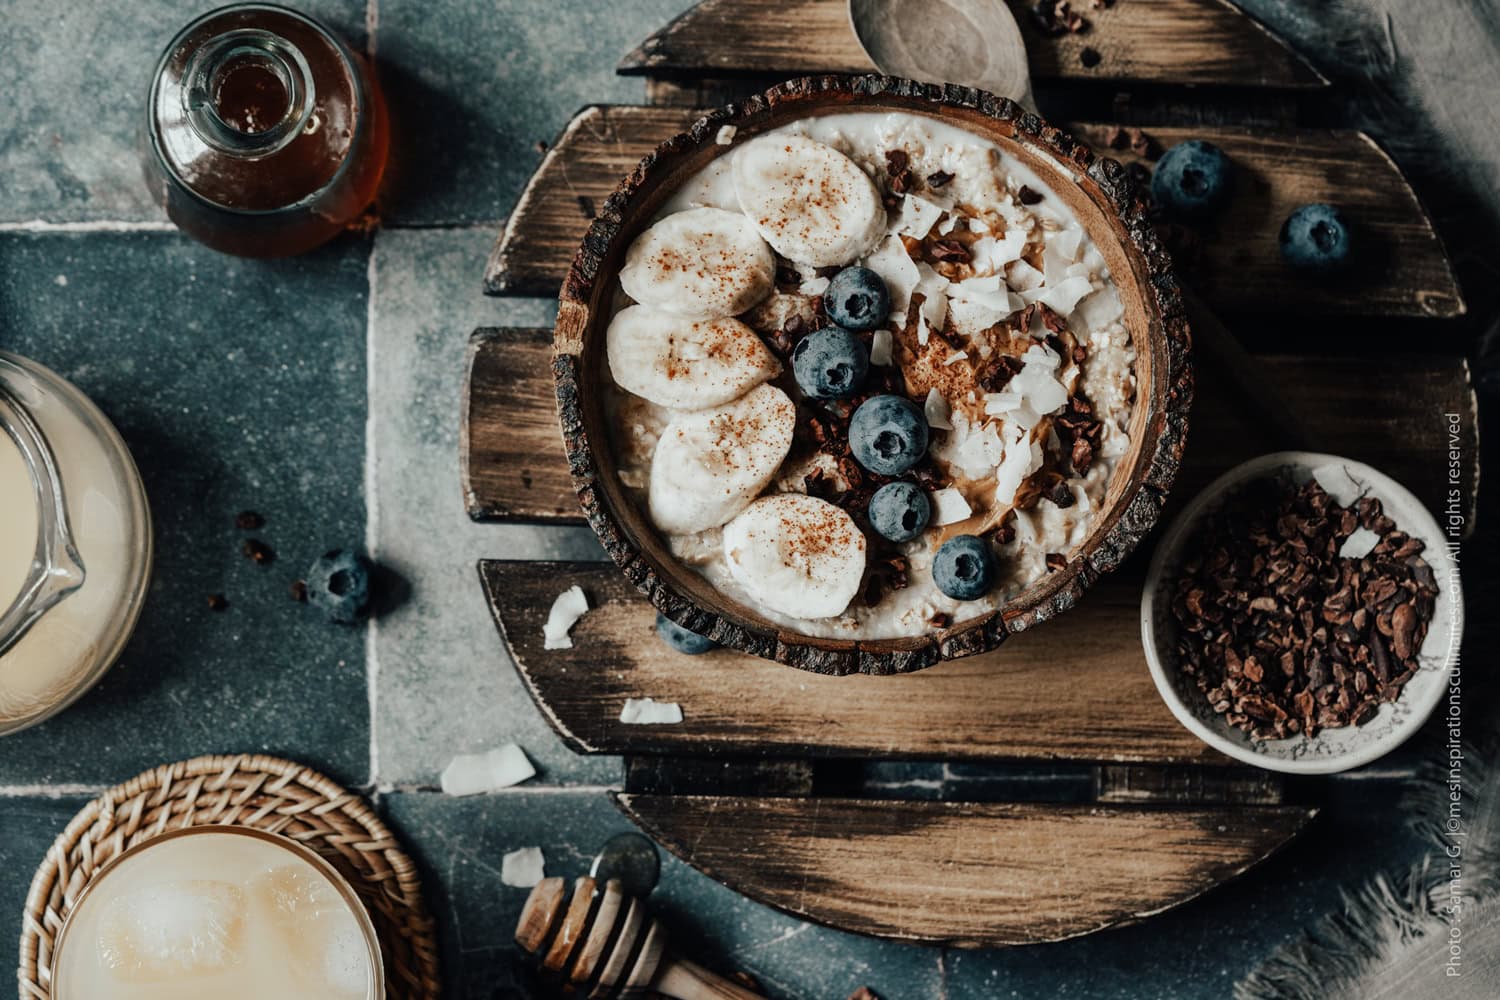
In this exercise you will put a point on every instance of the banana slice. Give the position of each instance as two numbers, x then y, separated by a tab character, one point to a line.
796	554
811	202
702	263
709	464
686	364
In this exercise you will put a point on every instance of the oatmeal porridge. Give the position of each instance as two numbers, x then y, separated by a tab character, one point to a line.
869	376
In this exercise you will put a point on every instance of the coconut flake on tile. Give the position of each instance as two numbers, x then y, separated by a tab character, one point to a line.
949	507
880	347
1360	543
569	606
896	268
475	773
1338	483
648	712
814	287
1022	277
523	868
936	409
1063	297
726	134
916	217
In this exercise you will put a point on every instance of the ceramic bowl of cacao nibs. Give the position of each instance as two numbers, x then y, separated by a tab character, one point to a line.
1303	614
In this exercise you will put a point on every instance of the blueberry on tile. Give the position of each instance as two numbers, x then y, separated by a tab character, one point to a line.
338	584
856	299
964	568
830	363
900	511
1192	178
888	434
682	639
1316	238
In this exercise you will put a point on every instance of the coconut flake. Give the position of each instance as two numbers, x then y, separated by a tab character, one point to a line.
896	268
990	255
955	357
1339	484
1022	277
647	712
949	507
1360	543
916	217
880	347
937	411
1040	389
566	610
999	403
946	226
933	288
1061	298
474	773
814	287
1022	458
726	134
523	868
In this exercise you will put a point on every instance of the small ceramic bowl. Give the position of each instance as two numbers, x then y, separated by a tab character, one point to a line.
1330	750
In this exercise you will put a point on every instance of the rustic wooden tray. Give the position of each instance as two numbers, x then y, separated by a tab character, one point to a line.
739	789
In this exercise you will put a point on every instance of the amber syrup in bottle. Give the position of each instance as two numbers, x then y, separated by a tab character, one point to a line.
267	135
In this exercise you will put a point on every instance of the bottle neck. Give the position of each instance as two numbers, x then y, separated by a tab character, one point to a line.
248	92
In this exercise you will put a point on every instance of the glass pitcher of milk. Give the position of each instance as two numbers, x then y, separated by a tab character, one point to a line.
75	543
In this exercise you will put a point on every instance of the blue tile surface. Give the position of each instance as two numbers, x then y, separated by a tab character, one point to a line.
238	385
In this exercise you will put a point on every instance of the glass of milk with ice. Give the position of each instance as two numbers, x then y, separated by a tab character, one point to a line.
218	911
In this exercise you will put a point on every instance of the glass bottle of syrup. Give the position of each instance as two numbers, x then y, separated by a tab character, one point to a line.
267	135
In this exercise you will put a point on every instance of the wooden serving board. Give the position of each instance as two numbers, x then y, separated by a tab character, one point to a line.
738	788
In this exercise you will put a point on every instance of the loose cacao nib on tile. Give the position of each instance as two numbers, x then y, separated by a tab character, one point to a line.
249	520
1282	634
257	551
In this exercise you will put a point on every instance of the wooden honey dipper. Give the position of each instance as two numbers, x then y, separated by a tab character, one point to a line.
604	944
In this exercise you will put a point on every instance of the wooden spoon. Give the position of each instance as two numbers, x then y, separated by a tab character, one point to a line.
603	943
973	42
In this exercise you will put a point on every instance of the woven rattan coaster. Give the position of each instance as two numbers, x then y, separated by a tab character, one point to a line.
266	793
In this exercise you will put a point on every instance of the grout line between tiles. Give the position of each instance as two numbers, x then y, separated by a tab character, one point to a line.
372	510
101	226
372	25
61	791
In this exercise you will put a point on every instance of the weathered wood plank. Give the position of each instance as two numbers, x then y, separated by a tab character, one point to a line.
1237	268
510	453
963	874
1386	411
1079	690
1160	41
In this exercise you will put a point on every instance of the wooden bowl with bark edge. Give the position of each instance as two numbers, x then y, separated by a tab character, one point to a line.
1099	192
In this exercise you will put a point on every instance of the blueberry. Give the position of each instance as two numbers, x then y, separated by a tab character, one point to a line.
900	511
1316	238
1192	178
888	434
338	584
830	363
856	299
964	569
681	639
